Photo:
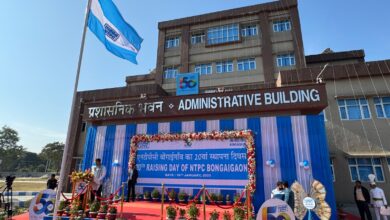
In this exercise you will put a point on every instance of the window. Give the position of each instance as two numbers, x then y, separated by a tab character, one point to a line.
197	38
360	168
388	163
332	170
280	26
170	73
382	106
246	64
353	109
172	42
249	30
204	69
223	34
285	60
225	67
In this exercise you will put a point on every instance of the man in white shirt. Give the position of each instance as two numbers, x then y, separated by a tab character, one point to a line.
99	172
278	192
378	200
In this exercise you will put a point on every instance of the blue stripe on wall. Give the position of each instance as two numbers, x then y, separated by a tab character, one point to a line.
109	148
320	158
226	124
131	129
89	147
286	149
200	125
175	127
152	128
258	197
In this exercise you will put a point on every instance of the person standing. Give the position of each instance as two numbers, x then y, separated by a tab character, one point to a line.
278	192
132	180
288	195
52	182
378	200
362	199
99	172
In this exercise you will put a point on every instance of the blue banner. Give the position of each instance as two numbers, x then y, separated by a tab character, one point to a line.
187	84
218	164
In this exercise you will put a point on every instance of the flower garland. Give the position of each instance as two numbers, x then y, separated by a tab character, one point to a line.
214	135
86	176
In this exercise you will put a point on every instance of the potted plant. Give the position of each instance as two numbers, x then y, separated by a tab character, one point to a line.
172	195
227	199
155	194
147	195
138	197
193	212
80	209
227	215
213	198
190	198
117	199
171	213
61	208
239	213
220	199
93	210
237	199
102	211
182	214
182	197
112	213
214	215
67	210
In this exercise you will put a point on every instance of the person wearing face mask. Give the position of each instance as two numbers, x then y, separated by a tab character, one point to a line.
278	192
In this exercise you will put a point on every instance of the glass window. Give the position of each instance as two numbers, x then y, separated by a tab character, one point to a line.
360	168
224	67
354	109
249	30
170	73
382	106
280	26
197	38
172	42
332	170
246	64
223	34
285	60
204	69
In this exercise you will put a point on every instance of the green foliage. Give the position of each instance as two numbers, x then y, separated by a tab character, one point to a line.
95	206
227	215
171	212
53	152
239	213
155	194
214	215
193	212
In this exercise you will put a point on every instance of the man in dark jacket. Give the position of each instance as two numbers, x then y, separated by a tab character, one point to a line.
132	180
52	182
362	199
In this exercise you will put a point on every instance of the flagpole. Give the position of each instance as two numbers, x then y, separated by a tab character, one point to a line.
72	112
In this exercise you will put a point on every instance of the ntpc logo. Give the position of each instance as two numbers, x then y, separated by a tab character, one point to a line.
276	213
111	32
185	82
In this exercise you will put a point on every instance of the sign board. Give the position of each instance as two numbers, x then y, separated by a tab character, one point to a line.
215	163
305	98
42	204
187	83
273	209
309	203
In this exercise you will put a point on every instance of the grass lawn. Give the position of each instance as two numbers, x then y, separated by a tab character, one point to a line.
27	186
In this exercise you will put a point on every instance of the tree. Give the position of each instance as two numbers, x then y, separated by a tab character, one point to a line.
10	151
53	152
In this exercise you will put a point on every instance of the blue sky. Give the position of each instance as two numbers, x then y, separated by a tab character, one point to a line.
40	43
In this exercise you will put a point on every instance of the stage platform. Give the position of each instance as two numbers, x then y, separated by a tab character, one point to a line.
141	210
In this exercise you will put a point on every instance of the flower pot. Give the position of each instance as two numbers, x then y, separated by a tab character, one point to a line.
93	214
146	198
228	202
111	216
60	212
155	199
67	213
182	200
101	215
219	202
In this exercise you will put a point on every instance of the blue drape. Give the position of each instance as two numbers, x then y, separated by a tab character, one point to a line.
131	129
89	147
200	125
226	124
286	149
109	148
320	158
175	127
259	197
152	128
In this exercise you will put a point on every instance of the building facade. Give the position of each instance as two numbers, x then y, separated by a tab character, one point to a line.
258	48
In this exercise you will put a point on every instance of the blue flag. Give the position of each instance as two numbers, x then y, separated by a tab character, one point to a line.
119	37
